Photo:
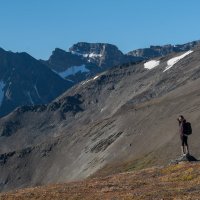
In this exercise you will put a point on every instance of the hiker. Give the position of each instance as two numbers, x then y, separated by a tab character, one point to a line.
184	130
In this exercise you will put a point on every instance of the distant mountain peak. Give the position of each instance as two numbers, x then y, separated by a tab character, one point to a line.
157	51
86	49
26	81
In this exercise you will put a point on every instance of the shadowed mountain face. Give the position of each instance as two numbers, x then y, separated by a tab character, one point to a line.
25	81
84	60
124	114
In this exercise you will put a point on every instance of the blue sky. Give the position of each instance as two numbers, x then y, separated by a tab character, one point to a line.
39	26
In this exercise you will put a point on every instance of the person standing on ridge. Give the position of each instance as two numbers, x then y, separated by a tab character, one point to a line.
184	130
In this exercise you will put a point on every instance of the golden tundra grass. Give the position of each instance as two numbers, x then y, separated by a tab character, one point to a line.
181	181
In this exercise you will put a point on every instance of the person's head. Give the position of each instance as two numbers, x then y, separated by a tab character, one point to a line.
181	118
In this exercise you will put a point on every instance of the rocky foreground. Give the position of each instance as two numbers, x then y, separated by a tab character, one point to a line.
176	181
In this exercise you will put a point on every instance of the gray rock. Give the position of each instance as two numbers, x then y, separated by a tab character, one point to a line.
184	158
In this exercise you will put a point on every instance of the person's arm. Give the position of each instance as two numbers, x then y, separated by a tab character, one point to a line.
179	122
182	127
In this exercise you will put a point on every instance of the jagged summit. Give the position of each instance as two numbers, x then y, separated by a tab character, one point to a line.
101	54
60	60
84	60
85	47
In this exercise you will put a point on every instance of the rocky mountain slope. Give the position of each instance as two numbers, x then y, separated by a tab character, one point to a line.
157	51
171	182
125	114
25	81
84	60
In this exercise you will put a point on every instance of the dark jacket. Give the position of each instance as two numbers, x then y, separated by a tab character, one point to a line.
182	127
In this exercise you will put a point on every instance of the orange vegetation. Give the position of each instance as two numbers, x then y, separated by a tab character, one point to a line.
180	181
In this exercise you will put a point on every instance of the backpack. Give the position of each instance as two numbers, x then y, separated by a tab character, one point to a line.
187	128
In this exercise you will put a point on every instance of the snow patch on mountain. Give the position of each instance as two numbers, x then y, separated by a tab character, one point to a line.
173	61
2	85
94	55
35	87
151	64
87	55
95	77
76	53
30	98
72	71
84	82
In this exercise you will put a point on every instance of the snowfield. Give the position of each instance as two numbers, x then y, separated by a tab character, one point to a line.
90	55
72	71
173	61
93	55
151	64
